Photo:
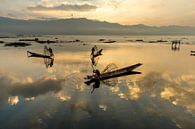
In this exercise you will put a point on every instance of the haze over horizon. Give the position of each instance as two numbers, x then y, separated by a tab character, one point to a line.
125	12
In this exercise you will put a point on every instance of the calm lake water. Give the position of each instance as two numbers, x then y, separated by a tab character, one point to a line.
36	96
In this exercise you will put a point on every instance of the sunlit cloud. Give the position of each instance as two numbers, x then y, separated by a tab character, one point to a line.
168	93
63	97
103	107
13	100
30	99
27	88
84	106
37	88
159	86
63	7
134	92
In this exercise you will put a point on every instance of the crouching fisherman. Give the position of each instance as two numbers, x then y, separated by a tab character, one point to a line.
94	79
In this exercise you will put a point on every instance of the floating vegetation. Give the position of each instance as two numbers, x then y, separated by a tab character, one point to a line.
17	44
36	39
109	41
101	40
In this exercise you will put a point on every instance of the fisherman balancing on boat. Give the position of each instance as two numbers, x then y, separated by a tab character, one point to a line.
94	54
97	76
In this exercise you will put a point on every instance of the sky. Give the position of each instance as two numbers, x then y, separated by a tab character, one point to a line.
126	12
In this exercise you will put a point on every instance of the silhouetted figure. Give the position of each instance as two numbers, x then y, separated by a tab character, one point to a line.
96	80
175	45
48	62
93	50
94	54
51	64
192	53
51	52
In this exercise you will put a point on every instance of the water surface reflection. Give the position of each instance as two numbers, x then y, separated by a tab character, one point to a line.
33	96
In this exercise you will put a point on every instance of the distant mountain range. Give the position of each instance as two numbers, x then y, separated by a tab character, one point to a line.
83	26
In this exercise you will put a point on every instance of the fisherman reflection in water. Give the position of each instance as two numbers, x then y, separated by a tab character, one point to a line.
96	80
92	55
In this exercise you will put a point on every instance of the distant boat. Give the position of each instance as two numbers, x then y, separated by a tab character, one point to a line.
47	53
33	54
48	56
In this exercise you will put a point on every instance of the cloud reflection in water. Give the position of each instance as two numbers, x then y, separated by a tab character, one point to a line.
57	98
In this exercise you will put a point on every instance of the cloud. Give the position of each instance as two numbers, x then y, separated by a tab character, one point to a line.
83	106
13	100
10	86
103	107
177	90
152	84
64	7
37	88
5	83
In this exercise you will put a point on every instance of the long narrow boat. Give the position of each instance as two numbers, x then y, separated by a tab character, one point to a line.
120	72
116	73
33	54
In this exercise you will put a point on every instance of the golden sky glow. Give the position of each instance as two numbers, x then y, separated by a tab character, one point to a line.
149	12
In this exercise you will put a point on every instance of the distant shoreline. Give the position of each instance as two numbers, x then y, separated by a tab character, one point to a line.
83	26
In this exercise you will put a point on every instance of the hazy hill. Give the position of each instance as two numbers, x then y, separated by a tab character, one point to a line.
83	26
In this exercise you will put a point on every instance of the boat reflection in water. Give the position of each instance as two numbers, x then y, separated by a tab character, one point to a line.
48	56
109	74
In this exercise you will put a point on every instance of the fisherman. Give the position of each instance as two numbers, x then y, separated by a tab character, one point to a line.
95	53
96	80
51	52
93	50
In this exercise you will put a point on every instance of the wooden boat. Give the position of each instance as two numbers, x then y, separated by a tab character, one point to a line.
33	54
121	72
113	74
48	53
